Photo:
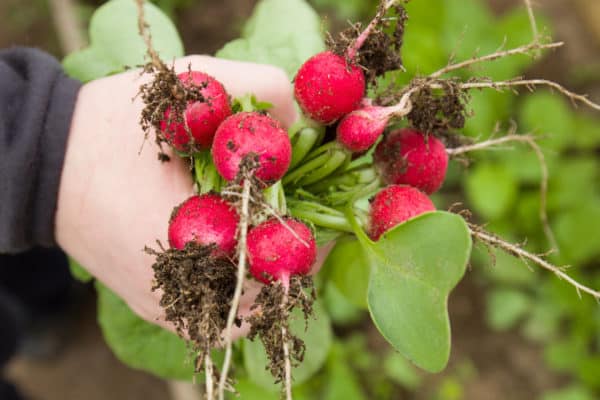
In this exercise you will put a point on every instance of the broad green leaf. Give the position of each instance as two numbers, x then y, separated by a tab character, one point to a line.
284	33
505	307
342	382
566	354
586	132
115	42
487	108
575	392
246	390
547	114
317	338
79	272
340	310
491	190
577	231
139	344
351	10
348	269
401	371
588	370
413	269
576	179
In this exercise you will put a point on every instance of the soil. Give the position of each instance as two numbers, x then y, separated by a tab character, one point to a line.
503	365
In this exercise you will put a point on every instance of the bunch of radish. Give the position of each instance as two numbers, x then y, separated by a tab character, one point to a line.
266	196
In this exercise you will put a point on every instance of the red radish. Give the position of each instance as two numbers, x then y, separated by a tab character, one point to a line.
252	133
201	117
327	87
279	250
360	129
206	219
395	204
407	156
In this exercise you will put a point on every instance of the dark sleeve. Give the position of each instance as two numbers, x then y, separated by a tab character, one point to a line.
36	105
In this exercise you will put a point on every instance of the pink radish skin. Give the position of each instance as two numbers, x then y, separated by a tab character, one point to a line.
206	219
327	87
395	204
407	157
360	129
202	118
275	253
248	133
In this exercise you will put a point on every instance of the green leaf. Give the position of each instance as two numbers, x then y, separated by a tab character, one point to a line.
401	371
115	42
505	307
348	269
565	354
317	338
340	310
342	382
280	32
575	392
574	231
139	344
413	269
79	272
548	114
491	190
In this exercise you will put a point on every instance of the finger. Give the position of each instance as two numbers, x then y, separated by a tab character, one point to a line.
268	83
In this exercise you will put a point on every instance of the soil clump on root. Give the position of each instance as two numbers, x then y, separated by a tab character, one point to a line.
197	291
271	313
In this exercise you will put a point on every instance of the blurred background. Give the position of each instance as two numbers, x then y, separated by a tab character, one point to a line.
518	333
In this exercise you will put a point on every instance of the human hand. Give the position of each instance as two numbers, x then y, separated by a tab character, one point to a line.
114	199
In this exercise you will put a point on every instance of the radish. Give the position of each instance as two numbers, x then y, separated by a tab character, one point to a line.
206	220
279	250
407	156
201	117
393	205
252	133
360	129
332	84
327	87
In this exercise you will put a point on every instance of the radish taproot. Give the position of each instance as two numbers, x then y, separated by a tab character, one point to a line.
360	129
393	205
327	87
202	118
409	157
252	134
205	220
280	249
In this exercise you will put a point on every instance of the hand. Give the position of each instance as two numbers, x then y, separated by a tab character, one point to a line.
115	199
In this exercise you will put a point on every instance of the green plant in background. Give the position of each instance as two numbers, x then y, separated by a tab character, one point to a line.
502	188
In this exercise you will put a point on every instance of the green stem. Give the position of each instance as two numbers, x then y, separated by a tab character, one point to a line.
207	177
337	159
349	178
357	228
319	215
247	103
275	197
298	173
304	141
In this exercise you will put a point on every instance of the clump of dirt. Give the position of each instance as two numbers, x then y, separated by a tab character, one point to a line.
439	111
381	50
197	291
166	92
271	317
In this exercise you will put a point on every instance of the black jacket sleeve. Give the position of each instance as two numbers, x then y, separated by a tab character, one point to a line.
36	106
